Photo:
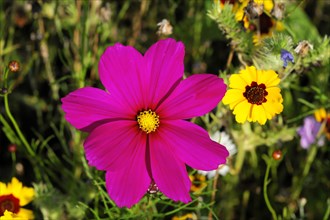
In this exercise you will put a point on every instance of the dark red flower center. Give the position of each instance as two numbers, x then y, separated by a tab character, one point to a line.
255	94
327	126
9	203
265	23
228	1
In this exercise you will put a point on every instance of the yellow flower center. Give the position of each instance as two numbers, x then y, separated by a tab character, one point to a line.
148	121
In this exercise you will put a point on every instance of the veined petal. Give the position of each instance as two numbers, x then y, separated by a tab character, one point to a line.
194	96
168	171
86	107
110	145
193	145
165	67
128	185
122	72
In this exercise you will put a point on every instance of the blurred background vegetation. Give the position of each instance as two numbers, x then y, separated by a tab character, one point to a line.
58	44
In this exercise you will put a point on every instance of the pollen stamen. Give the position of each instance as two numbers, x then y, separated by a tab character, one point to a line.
148	121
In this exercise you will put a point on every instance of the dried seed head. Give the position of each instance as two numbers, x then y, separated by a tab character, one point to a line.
14	66
253	10
279	10
12	148
165	28
303	48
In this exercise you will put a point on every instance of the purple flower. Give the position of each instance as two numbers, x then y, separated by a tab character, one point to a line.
286	56
308	132
139	133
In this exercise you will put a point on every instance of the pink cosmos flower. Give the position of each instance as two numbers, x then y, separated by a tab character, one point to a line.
138	129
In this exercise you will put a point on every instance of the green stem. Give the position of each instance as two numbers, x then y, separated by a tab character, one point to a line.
18	130
297	63
310	158
327	212
269	206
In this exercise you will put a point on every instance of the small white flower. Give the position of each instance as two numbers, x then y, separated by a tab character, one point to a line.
224	139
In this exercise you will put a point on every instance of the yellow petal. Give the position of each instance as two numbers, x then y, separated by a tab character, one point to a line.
320	114
274	98
24	194
232	97
237	82
241	111
258	114
249	74
15	186
27	194
9	216
269	78
3	189
268	4
25	213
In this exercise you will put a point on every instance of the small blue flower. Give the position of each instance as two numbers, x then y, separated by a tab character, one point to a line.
286	56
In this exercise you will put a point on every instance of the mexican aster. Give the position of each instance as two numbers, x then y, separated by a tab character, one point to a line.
138	128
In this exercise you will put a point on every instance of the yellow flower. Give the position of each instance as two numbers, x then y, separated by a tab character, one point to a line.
320	114
189	216
198	183
262	25
238	7
254	95
323	117
13	196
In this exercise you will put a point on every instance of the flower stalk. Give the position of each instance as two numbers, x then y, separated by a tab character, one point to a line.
17	129
266	182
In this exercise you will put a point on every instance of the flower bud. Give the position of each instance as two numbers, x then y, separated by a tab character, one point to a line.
277	155
12	148
3	90
165	28
303	48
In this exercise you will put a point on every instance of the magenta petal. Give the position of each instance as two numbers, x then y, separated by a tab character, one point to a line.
168	172
87	106
128	185
165	67
121	70
193	145
110	145
194	96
